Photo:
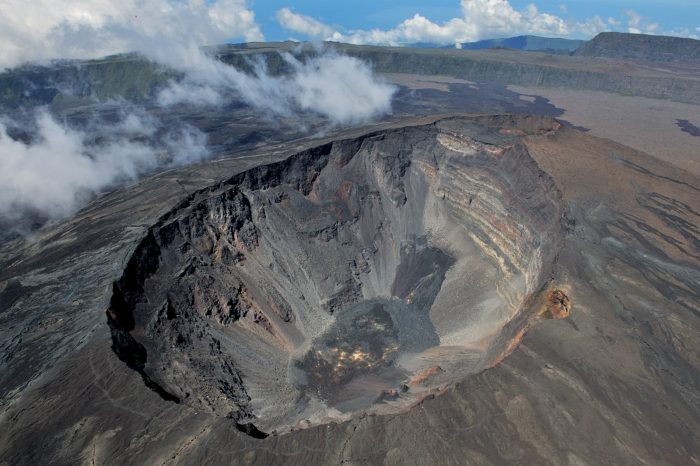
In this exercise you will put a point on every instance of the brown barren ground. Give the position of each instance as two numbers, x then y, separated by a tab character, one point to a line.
648	125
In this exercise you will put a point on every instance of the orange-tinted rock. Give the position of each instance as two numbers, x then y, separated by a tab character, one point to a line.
423	376
558	305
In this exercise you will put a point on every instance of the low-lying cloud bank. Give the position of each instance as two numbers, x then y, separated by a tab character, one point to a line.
340	88
60	168
56	170
171	32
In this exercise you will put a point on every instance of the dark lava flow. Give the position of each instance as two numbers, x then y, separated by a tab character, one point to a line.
688	127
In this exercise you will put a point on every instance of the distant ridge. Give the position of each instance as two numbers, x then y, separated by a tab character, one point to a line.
527	43
641	47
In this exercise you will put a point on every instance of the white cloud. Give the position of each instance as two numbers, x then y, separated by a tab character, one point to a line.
682	32
480	19
62	168
633	22
343	89
637	25
634	19
303	24
592	26
56	173
47	29
651	28
189	93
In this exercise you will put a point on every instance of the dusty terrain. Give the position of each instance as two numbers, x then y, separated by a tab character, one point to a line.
592	355
648	125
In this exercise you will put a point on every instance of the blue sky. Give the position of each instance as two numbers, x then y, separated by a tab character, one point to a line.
42	30
681	17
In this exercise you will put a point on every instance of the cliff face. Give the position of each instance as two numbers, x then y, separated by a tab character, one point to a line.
641	47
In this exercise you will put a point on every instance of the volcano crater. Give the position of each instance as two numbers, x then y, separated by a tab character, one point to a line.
358	275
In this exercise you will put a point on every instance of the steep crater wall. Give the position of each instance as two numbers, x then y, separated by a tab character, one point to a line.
358	275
